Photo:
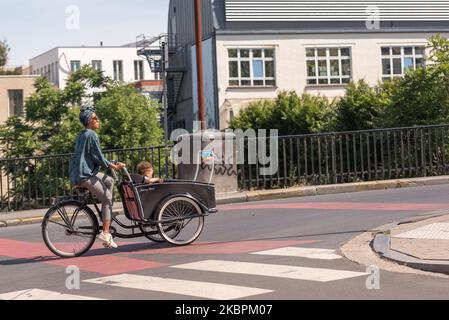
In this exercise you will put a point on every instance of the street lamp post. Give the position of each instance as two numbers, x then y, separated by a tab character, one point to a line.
165	100
199	64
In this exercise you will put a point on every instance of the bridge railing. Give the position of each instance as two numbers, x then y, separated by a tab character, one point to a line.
317	159
342	157
32	183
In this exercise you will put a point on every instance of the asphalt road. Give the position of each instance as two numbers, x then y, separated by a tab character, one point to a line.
261	250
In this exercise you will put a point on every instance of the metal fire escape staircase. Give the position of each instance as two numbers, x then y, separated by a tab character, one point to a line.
157	50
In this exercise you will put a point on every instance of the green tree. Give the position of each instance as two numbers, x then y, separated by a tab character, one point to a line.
17	139
4	53
289	113
362	107
256	116
303	114
422	96
128	119
51	125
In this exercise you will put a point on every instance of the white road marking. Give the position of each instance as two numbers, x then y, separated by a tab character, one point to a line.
206	290
271	270
311	253
38	294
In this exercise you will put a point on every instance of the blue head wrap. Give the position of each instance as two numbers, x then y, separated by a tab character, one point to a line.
86	115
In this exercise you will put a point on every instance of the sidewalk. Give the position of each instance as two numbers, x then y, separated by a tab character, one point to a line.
35	216
422	243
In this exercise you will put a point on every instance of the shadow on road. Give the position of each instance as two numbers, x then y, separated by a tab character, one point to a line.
124	248
136	247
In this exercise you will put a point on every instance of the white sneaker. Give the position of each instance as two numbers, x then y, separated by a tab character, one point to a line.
108	241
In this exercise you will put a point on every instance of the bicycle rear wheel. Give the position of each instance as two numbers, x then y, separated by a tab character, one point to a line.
181	220
69	229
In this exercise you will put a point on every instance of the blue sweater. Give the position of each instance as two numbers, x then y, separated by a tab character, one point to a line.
88	158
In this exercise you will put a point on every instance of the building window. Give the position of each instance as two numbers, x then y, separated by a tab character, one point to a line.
57	73
75	65
251	67
138	70
97	65
328	65
397	60
51	72
157	76
15	102
118	70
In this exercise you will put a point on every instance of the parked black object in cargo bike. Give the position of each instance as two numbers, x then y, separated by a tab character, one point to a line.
171	212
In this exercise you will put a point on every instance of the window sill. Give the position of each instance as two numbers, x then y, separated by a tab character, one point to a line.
333	85
252	87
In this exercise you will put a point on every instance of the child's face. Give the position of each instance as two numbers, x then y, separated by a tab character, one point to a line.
149	173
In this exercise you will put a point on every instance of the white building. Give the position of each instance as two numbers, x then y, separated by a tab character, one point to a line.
119	63
255	48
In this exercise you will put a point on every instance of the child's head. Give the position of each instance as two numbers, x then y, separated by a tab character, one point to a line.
145	169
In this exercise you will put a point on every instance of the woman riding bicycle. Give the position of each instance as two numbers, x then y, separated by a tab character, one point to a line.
85	166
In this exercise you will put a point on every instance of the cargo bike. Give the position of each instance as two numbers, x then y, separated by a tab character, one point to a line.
172	212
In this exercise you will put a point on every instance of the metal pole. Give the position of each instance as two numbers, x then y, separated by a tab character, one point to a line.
165	102
199	63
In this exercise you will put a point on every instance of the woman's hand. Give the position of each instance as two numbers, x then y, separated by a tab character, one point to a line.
118	166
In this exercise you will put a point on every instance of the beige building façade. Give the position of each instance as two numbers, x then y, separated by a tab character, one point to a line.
14	90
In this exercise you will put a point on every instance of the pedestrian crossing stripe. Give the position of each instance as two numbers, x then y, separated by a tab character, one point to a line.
271	270
38	294
207	290
311	253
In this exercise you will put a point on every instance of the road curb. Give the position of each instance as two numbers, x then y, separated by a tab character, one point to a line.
304	191
381	246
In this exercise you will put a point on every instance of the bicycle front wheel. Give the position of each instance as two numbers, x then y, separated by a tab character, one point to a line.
69	229
181	221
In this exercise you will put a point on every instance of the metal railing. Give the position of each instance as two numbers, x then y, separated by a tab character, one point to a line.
32	183
327	158
331	158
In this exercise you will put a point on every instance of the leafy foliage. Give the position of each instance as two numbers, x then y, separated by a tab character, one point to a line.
422	96
4	53
362	107
289	113
129	119
52	124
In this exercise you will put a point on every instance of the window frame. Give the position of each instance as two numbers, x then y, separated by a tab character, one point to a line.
251	59
119	71
72	65
14	113
403	56
139	72
328	58
96	63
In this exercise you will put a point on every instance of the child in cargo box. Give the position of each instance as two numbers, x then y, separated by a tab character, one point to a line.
145	169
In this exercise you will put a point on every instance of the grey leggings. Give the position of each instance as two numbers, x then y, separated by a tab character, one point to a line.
101	186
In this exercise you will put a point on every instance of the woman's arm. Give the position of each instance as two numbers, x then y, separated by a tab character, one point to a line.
97	155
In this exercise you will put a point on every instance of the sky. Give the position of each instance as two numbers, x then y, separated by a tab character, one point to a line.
32	27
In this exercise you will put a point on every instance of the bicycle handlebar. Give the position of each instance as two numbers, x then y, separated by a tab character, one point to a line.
125	171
